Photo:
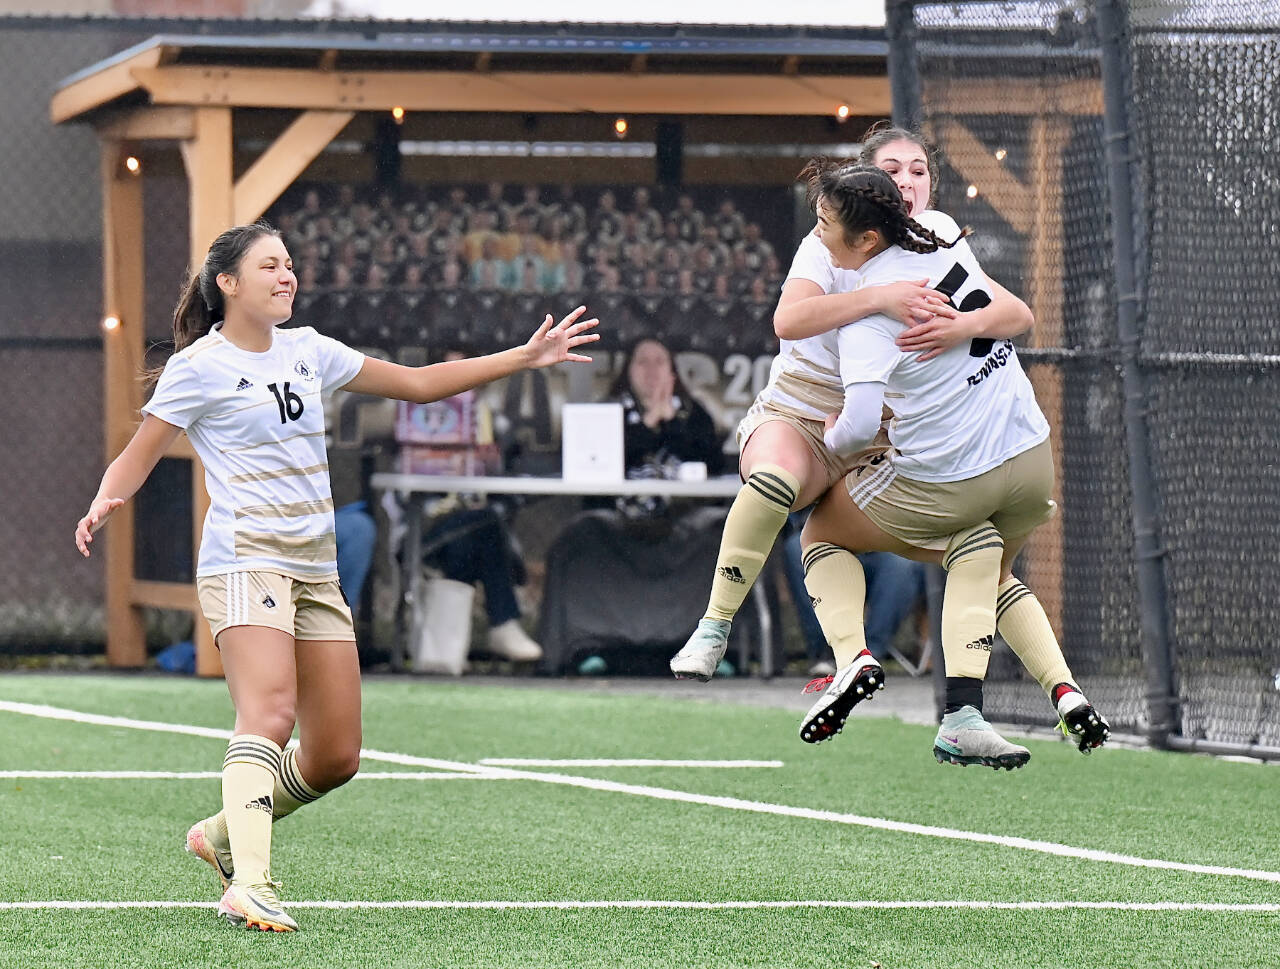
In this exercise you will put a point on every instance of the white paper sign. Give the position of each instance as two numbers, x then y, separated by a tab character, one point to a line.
591	435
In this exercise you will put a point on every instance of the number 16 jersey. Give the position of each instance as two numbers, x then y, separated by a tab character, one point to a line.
256	422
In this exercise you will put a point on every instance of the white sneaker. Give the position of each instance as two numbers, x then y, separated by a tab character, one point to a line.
700	656
965	738
510	641
848	687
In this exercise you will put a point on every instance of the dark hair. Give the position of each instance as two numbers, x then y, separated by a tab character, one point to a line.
200	304
884	132
622	382
865	198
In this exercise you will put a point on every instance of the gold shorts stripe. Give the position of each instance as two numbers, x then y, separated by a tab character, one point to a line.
295	509
278	473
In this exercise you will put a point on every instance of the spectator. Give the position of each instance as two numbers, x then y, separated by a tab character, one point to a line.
611	567
688	219
649	219
605	223
490	271
754	248
480	229
728	222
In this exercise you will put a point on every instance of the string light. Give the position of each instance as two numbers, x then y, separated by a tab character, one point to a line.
843	112
971	191
1000	154
111	323
620	127
133	165
398	114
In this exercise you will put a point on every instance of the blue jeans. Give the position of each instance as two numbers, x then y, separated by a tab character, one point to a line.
356	535
472	545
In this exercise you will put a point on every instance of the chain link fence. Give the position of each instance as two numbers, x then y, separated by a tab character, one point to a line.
1164	596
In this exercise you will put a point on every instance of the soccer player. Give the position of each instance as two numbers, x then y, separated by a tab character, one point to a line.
969	474
781	437
248	396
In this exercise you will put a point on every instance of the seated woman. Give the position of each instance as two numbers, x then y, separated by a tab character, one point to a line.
617	577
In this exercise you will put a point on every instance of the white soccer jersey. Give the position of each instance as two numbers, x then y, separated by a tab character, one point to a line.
965	411
804	380
256	421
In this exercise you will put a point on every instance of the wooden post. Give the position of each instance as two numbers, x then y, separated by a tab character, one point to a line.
122	302
1049	137
207	156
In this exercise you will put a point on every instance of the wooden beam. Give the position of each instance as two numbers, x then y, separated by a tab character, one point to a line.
166	595
286	159
1048	143
1043	95
122	298
328	60
977	165
521	92
207	157
148	124
211	195
101	88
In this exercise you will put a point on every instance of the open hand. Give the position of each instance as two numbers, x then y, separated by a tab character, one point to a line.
912	302
553	344
936	335
99	511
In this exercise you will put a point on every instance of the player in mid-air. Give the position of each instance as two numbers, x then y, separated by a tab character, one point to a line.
970	471
786	466
248	396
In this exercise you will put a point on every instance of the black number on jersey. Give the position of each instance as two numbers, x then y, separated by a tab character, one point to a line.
975	299
290	404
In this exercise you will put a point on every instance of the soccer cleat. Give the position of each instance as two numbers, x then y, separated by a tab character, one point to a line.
1079	721
847	688
703	652
965	738
201	844
255	907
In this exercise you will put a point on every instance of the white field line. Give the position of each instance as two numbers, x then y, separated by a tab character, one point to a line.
204	775
688	797
708	906
625	762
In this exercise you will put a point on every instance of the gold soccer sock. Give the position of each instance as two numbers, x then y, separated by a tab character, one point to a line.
757	515
291	792
838	589
1025	627
972	561
249	775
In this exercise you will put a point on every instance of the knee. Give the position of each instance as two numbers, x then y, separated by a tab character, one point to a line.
334	767
272	718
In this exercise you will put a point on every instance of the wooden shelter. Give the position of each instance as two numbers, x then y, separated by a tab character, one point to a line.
189	91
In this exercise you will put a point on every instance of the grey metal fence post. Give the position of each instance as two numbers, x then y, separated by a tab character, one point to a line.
1162	698
904	72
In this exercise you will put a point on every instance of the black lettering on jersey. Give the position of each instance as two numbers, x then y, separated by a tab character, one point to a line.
949	285
290	404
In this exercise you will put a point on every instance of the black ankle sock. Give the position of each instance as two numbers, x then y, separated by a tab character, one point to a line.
962	691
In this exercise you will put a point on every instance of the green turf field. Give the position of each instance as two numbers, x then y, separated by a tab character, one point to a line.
855	853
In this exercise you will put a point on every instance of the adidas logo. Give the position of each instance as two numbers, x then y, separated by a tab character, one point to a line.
243	384
261	804
815	601
732	573
984	643
268	601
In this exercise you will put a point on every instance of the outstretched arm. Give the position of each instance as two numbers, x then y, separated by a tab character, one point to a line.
549	345
125	475
804	310
1004	317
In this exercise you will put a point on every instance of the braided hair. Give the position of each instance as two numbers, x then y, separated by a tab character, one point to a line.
863	198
